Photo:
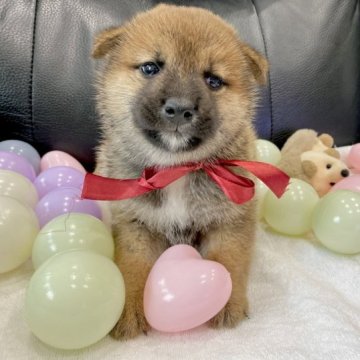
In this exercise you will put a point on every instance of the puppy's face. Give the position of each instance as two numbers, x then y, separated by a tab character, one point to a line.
178	84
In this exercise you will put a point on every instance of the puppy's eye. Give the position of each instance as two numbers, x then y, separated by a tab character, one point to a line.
328	166
149	69
332	184
213	81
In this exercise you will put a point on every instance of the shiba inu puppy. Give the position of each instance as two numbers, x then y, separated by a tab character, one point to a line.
177	86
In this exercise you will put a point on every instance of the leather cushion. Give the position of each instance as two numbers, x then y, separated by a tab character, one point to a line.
47	93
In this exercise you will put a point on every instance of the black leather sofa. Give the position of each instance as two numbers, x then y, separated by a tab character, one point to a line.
47	75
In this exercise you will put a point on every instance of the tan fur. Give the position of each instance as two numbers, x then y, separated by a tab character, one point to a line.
190	41
106	41
326	140
315	166
309	168
305	140
305	156
299	142
332	152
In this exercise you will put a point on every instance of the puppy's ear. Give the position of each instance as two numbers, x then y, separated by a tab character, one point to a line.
258	64
106	40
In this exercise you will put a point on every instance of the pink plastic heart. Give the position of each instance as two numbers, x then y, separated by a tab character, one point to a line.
184	291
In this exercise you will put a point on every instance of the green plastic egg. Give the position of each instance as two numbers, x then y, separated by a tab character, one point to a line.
18	229
70	232
19	187
260	192
291	214
267	152
74	299
336	221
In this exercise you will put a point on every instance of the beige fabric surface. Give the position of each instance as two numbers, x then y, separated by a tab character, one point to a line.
305	304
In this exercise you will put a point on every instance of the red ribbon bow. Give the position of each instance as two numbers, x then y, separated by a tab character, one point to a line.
237	188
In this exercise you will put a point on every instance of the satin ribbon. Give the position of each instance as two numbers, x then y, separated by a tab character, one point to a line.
237	188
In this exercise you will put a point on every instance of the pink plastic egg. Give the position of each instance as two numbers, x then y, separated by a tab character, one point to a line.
350	183
59	158
353	158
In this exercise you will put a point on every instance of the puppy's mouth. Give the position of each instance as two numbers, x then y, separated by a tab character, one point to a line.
173	141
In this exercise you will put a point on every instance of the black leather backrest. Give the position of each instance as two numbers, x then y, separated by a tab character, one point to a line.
46	73
16	42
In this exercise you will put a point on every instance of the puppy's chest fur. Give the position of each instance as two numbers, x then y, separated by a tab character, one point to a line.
184	209
175	207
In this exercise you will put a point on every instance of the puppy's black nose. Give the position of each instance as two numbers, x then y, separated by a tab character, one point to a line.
345	173
178	110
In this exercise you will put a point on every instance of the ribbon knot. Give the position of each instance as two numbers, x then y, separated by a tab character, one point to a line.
144	183
199	166
237	188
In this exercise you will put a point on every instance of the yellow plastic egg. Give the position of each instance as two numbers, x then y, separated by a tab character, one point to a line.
267	152
18	229
74	299
72	231
291	214
336	221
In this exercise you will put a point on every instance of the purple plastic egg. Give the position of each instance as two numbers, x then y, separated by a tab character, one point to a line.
64	201
23	149
58	177
16	163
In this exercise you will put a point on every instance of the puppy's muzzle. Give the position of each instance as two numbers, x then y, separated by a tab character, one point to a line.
179	111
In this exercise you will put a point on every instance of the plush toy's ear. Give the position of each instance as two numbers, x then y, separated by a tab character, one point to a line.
332	152
106	40
258	64
309	168
327	140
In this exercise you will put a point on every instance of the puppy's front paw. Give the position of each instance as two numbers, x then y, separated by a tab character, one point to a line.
132	323
231	314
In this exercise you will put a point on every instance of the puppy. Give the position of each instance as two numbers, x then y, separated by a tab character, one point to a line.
177	86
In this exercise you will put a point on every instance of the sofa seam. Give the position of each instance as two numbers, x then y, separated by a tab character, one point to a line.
31	80
269	75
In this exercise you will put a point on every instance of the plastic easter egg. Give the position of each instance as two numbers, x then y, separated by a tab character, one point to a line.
16	163
74	299
184	291
336	221
291	214
23	149
353	158
350	183
267	152
59	158
18	187
106	216
344	152
18	229
72	232
260	192
64	201
57	177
